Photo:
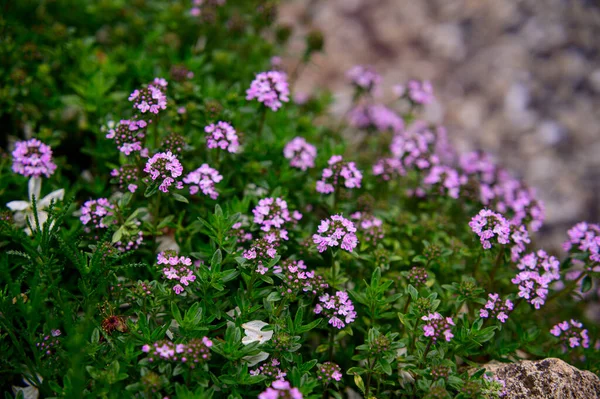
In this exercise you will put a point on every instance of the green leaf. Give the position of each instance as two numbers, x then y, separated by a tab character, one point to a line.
359	383
217	258
586	284
180	198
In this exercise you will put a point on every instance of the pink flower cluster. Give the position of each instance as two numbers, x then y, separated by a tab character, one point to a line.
196	10
420	92
438	326
538	270
93	213
388	168
196	351
127	177
338	308
281	389
272	214
32	158
297	279
300	153
494	307
269	88
49	343
571	333
334	229
131	240
414	146
178	268
261	252
164	168
203	179
337	170
586	238
499	190
328	372
417	276
270	370
128	135
487	225
519	237
364	77
150	98
222	135
371	226
377	117
448	179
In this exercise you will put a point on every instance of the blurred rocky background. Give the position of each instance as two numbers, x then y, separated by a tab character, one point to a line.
517	78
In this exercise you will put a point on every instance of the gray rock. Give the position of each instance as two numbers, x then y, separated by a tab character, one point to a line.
546	379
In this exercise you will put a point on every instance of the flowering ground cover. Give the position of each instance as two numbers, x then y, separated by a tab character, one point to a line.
177	222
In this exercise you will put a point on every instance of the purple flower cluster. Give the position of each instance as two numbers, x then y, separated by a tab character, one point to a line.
417	276
261	252
297	279
300	153
272	214
203	179
438	326
178	268
487	225
32	158
49	343
195	352
328	372
131	240
269	88
376	117
448	179
519	237
150	98
388	168
270	370
571	334
330	179
128	135
499	190
420	92
586	238
222	135
338	308
127	177
165	168
93	213
281	389
494	307
364	77
538	270
334	229
371	226
414	146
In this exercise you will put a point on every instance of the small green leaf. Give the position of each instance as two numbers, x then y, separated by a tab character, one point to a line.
180	198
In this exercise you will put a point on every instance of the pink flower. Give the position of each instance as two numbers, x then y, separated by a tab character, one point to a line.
269	88
164	168
420	92
203	179
338	173
338	308
301	154
93	213
334	229
438	326
32	158
151	97
572	334
494	307
222	135
376	117
487	225
363	77
281	389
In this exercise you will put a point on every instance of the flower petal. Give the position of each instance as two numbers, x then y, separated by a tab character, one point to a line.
18	205
57	195
35	187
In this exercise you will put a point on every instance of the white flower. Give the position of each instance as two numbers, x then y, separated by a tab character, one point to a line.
24	209
253	332
29	391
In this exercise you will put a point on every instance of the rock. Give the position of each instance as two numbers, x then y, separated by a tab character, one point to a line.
546	379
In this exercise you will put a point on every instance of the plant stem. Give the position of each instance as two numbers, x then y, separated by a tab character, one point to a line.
368	385
261	125
330	346
427	349
568	289
476	267
499	258
407	303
